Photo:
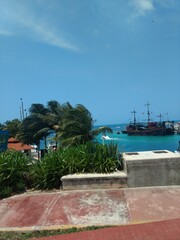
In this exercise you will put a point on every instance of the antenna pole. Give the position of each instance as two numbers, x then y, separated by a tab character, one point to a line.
22	108
20	113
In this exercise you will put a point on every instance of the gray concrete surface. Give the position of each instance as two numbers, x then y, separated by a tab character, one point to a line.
152	168
94	181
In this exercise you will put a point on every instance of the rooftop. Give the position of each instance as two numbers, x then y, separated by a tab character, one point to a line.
17	145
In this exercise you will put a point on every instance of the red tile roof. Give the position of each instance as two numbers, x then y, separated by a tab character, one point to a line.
18	146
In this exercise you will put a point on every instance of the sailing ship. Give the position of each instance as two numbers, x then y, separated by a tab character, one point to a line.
150	128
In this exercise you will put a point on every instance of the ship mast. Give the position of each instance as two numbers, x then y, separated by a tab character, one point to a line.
160	117
148	112
134	113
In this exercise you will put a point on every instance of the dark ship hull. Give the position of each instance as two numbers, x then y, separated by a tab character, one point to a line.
160	128
149	130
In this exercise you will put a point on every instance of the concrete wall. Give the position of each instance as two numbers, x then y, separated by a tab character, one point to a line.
94	181
152	168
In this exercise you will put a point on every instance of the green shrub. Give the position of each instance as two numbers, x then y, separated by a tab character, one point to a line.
88	158
46	172
105	158
17	173
13	170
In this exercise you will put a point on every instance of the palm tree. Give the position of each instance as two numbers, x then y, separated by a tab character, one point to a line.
31	130
38	108
54	115
12	127
77	126
40	122
36	126
73	125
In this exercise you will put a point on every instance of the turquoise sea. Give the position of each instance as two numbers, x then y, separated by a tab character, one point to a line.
134	143
140	143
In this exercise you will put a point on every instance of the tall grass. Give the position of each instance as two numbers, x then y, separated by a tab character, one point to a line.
13	170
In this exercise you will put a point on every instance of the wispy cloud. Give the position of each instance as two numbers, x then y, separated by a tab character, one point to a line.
139	8
42	32
5	33
142	7
19	18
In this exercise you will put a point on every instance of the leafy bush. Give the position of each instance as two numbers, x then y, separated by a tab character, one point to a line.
17	173
46	172
13	170
88	158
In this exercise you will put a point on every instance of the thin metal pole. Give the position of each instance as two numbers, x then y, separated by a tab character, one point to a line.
22	108
25	113
20	113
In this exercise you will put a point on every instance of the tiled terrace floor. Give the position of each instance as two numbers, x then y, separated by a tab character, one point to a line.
96	207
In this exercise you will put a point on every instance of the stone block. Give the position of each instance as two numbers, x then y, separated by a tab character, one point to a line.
152	168
94	181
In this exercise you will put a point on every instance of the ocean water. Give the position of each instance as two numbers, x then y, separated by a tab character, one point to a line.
133	143
139	143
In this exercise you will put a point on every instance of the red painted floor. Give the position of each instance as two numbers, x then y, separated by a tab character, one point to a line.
149	204
77	208
96	207
163	230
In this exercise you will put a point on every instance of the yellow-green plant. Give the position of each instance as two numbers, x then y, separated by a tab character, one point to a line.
13	171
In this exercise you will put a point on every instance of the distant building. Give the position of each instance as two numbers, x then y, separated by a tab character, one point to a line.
15	144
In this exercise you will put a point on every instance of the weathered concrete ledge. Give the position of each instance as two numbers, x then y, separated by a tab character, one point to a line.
152	168
141	169
94	181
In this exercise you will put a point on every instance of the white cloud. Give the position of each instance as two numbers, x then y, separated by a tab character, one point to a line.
26	20
141	7
42	32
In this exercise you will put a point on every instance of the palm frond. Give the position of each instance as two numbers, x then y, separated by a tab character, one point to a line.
102	129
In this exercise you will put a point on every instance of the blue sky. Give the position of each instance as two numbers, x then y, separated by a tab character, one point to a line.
110	55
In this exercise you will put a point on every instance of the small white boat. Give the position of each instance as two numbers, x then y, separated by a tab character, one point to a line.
105	137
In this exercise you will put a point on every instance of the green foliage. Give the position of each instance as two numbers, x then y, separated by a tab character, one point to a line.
78	153
17	172
12	126
45	233
46	172
72	125
40	122
88	158
77	126
13	170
